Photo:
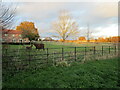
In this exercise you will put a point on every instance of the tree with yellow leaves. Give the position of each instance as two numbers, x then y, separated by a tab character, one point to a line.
28	30
66	26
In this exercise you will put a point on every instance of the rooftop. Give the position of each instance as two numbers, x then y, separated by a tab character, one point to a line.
7	31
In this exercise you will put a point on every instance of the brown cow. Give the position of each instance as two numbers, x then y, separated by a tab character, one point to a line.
29	47
39	46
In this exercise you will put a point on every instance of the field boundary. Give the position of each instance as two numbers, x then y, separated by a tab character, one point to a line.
15	60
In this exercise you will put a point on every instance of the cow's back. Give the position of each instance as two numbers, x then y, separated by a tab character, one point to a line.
39	46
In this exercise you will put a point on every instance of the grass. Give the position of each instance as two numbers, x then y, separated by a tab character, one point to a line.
66	46
22	54
19	56
52	44
92	74
101	73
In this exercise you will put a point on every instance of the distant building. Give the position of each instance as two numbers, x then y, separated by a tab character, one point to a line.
48	39
13	36
82	39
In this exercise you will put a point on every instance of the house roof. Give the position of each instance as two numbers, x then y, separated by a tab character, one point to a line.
47	39
7	31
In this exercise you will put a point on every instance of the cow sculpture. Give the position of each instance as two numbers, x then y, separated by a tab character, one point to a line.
39	46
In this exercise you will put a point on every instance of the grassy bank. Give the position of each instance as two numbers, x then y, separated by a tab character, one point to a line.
92	74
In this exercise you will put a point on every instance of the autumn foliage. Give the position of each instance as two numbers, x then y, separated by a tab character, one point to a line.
100	39
81	38
28	30
109	39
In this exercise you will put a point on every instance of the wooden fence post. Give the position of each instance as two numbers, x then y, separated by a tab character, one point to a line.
84	55
115	49
6	51
6	56
85	50
29	56
109	49
75	53
62	54
102	50
94	50
53	58
47	55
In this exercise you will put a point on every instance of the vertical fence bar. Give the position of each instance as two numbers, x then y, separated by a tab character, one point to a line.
75	53
6	55
62	54
102	50
47	55
6	50
29	56
85	50
84	55
115	49
53	58
94	49
109	49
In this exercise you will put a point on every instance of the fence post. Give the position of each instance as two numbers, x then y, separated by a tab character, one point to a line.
85	50
94	50
109	49
6	56
47	55
6	51
53	58
75	53
115	49
29	56
62	54
84	55
102	50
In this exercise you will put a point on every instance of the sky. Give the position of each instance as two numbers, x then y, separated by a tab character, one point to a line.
102	17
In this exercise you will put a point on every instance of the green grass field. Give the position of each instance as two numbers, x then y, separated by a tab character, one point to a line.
92	74
61	44
17	55
101	73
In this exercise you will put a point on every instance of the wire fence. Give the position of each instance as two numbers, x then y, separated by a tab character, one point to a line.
16	60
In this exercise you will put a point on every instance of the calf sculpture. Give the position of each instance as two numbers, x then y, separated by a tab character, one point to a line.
39	46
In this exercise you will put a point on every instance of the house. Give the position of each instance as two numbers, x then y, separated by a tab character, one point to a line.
48	39
13	36
82	39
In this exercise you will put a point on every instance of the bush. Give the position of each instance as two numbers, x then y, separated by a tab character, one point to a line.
62	63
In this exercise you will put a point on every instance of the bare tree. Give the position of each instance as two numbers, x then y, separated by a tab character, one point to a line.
88	33
7	14
66	26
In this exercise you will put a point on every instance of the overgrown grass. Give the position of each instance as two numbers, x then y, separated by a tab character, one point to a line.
92	74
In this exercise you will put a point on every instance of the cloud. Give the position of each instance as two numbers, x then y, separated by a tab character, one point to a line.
39	10
111	30
98	15
106	10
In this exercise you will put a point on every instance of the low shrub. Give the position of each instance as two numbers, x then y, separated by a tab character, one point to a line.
62	63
